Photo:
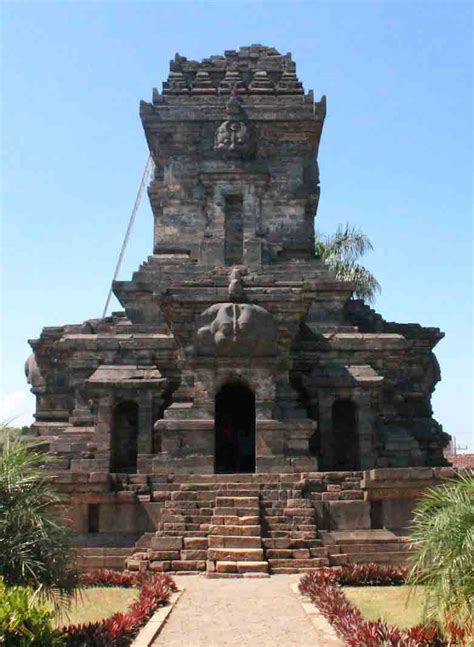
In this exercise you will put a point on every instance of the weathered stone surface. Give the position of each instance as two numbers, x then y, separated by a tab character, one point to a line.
349	515
329	403
236	330
167	543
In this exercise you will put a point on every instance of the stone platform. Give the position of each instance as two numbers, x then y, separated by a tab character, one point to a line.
259	524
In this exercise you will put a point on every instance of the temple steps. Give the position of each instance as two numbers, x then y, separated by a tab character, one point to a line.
111	557
236	530
225	541
236	548
237	525
366	546
235	554
300	564
374	548
232	567
234	520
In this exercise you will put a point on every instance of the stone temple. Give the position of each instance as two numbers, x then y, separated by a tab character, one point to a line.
242	413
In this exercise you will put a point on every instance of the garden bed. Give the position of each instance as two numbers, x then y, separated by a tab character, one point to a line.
151	592
324	589
388	603
96	603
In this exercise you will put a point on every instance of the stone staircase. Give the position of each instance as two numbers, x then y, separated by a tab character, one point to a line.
91	558
235	537
232	525
291	540
366	546
242	525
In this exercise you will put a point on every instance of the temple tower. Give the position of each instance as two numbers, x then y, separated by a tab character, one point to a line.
234	195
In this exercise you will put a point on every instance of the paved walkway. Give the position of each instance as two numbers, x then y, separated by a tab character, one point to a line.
243	612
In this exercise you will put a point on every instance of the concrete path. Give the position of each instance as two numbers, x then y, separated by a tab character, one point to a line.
243	612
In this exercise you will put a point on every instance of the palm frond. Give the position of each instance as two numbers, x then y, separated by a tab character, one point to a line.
347	244
36	547
366	285
341	251
443	549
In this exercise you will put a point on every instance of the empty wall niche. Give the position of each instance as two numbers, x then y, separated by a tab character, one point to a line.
233	230
93	517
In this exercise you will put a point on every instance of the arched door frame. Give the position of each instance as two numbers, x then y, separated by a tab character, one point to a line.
365	419
125	408
235	438
348	412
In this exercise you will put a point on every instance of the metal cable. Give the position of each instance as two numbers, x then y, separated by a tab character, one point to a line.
148	170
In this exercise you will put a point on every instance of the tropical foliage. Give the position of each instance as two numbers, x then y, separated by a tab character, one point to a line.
36	549
24	620
342	251
443	543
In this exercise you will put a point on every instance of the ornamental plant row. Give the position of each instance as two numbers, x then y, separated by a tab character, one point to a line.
107	577
362	575
121	628
323	589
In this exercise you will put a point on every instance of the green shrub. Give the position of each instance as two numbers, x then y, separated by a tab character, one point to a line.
443	550
36	547
24	620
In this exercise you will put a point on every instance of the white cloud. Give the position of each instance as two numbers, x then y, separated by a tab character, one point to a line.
17	407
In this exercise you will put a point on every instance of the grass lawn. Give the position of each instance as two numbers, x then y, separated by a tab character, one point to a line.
388	603
96	603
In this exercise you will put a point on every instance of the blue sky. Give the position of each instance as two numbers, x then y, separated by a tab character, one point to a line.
395	157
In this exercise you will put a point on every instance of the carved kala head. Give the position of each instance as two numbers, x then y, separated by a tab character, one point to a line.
233	135
236	329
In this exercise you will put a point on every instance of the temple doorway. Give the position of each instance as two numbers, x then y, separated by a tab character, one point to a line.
124	438
345	436
235	429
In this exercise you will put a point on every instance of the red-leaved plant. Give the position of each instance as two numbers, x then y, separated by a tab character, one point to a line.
106	577
120	628
322	587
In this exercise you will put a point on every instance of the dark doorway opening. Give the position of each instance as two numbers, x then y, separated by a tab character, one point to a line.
235	429
93	517
124	438
345	435
234	230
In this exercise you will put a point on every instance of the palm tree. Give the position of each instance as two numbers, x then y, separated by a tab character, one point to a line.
35	545
341	251
443	544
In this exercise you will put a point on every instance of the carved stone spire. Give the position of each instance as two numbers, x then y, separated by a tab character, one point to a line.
261	83
289	83
176	84
202	84
232	82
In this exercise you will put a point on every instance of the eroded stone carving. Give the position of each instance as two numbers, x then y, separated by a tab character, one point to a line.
233	135
236	330
236	287
33	374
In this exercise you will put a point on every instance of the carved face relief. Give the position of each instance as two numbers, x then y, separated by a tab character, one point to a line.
236	330
232	136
